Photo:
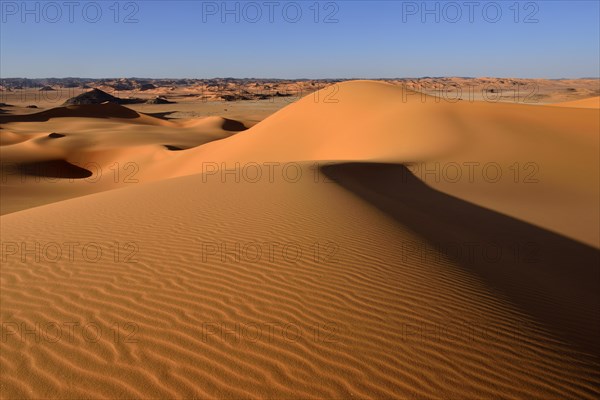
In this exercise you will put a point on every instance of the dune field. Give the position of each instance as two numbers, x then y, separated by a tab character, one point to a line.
364	240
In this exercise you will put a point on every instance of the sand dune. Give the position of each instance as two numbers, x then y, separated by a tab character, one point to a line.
507	157
115	144
7	138
350	274
107	110
392	321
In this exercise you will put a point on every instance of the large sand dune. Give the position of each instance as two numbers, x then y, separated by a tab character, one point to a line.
536	163
355	266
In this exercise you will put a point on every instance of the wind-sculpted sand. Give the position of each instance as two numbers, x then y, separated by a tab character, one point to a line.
328	251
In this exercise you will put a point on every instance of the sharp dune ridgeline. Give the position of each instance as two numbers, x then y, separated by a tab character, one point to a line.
365	241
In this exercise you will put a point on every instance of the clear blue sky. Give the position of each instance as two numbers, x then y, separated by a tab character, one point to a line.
371	39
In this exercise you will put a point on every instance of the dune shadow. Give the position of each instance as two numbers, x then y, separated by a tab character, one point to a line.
171	147
552	278
162	115
77	111
232	125
54	169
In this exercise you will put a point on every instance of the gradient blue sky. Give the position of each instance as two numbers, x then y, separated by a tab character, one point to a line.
370	40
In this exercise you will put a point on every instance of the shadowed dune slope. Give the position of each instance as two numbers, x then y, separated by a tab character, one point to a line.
512	256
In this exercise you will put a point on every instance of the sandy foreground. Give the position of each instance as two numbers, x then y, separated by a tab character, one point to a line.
364	242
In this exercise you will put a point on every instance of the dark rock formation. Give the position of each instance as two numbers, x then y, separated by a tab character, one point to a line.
159	100
97	96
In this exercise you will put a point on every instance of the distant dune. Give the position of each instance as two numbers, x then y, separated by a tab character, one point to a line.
106	110
366	241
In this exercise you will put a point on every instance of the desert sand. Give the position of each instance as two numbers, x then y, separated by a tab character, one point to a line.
592	102
366	241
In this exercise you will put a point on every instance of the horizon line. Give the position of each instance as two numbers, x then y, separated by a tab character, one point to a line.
305	79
